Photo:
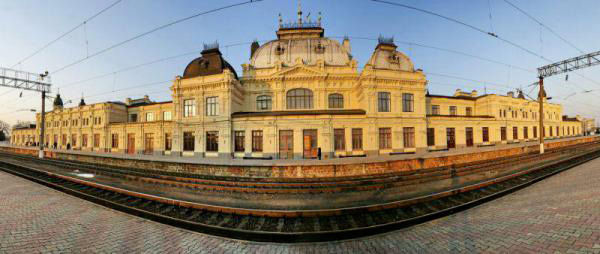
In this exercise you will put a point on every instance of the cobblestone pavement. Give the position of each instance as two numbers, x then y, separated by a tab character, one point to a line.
557	215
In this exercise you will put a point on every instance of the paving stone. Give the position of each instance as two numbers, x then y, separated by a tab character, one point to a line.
558	215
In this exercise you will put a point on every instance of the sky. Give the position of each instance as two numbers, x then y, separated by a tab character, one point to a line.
27	25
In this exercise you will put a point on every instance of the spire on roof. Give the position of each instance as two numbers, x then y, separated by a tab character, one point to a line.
299	13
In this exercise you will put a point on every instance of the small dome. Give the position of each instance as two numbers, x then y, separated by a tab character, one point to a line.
211	62
308	49
58	103
387	58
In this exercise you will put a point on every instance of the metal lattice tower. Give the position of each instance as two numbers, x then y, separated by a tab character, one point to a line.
33	82
571	64
24	80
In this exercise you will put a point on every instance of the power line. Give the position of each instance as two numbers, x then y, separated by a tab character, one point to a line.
446	50
149	32
479	30
555	34
132	67
464	24
66	33
543	25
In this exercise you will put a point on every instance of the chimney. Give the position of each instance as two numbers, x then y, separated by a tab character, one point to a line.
253	47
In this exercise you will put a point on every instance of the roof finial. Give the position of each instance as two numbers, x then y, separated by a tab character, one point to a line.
299	13
280	20
319	19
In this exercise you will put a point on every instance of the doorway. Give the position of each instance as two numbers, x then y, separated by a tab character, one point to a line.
450	138
130	143
469	132
310	144
149	143
286	144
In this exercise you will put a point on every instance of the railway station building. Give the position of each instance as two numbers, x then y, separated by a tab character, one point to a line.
300	95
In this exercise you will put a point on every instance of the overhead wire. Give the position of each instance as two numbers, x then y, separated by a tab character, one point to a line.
482	31
58	70
66	33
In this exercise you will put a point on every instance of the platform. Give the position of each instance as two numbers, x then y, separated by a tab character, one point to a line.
557	215
294	162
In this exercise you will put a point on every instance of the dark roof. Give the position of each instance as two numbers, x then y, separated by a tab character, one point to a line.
211	62
148	104
453	97
476	116
569	119
300	112
29	126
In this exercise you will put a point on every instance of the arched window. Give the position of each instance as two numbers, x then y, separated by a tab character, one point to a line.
299	98
263	102
336	100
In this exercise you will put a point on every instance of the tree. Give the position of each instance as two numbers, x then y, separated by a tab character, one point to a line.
4	130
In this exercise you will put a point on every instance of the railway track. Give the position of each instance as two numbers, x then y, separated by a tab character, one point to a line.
302	225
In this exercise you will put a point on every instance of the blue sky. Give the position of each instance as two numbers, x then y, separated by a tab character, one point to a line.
26	25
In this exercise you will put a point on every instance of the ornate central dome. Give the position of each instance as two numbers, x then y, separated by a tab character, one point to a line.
310	50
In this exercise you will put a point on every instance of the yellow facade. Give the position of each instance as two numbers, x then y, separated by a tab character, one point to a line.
299	96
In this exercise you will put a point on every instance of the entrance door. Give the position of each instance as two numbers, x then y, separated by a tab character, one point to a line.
310	144
149	143
130	143
286	144
469	133
450	138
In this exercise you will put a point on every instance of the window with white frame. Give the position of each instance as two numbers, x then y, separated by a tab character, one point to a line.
149	117
167	116
211	106
189	108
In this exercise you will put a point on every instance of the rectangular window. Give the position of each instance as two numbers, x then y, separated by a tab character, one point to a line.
485	132
189	141
211	106
503	133
550	127
149	117
435	109
257	141
383	101
168	142
408	137
339	139
73	140
385	138
557	134
407	102
189	108
212	141
430	136
132	118
452	110
96	140
469	111
357	138
239	140
115	140
515	133
535	131
167	116
525	133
